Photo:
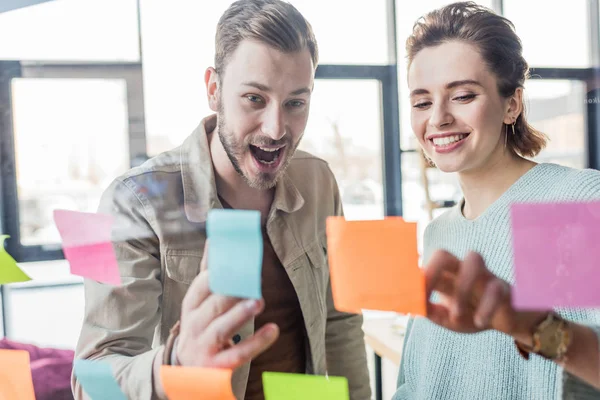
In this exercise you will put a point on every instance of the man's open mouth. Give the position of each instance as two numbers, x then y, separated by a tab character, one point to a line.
266	155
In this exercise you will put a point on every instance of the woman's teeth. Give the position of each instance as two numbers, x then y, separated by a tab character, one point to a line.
445	141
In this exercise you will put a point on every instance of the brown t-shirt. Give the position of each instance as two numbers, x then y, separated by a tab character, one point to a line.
288	353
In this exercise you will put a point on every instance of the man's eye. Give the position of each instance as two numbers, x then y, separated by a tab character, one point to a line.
254	99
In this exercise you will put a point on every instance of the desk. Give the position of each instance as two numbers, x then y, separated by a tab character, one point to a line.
386	342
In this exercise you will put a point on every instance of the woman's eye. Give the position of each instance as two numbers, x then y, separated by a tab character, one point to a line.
422	105
465	97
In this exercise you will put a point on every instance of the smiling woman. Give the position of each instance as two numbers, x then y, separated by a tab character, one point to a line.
466	77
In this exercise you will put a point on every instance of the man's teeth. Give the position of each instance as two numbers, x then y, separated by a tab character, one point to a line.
268	150
444	141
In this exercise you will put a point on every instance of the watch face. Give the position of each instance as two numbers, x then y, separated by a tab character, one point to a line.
552	334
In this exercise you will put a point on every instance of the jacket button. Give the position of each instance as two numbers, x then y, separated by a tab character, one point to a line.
236	339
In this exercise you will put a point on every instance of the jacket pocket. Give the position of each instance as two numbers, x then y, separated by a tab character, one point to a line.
319	271
182	267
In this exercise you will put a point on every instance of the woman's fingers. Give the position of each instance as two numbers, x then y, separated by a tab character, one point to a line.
493	298
472	271
441	261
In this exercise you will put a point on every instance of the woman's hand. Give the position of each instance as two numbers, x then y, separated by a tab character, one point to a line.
473	299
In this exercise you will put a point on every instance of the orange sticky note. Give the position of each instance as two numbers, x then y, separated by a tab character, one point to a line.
183	383
374	265
15	375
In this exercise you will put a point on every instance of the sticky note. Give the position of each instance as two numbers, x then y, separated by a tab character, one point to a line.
9	270
15	375
556	255
87	245
374	265
235	252
183	383
282	386
97	380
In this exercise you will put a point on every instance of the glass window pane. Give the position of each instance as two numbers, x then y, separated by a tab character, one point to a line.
71	30
558	36
47	316
407	14
558	108
359	35
174	90
347	134
71	141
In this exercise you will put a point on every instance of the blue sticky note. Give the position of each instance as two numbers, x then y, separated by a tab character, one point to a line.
235	252
97	380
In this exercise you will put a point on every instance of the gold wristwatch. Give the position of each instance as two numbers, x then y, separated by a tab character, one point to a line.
551	339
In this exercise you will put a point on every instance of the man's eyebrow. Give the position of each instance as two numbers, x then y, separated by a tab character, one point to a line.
265	88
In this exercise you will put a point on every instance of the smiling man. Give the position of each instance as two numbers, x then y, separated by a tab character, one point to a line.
243	157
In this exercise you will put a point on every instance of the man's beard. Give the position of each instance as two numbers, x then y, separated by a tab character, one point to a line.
235	152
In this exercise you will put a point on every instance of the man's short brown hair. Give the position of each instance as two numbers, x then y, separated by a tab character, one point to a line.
273	22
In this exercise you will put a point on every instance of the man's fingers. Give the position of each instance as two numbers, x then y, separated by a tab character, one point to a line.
196	294
211	309
204	262
248	349
220	330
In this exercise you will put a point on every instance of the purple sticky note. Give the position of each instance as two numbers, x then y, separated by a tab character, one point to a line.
87	245
556	255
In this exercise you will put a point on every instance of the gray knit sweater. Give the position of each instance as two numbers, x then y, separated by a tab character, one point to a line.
440	364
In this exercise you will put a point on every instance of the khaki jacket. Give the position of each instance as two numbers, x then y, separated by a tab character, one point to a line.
160	209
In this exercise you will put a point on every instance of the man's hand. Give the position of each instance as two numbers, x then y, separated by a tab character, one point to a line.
209	321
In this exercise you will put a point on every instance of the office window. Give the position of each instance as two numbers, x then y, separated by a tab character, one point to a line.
71	30
558	108
47	311
553	34
71	141
345	129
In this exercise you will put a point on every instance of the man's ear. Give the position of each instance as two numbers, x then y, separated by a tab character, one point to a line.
211	79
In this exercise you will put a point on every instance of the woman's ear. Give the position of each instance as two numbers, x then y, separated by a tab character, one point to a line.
514	107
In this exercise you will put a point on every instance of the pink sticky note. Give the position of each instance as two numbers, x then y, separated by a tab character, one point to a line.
87	245
556	255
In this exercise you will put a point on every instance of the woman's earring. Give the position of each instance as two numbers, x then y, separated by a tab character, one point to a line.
505	135
513	127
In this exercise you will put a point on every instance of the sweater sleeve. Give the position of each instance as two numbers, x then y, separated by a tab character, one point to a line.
585	187
574	388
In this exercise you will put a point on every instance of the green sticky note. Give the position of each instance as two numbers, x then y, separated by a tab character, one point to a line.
282	386
9	270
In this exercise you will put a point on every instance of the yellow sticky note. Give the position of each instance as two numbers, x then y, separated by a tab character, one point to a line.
183	383
15	375
9	270
374	266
